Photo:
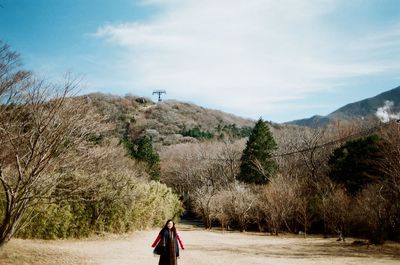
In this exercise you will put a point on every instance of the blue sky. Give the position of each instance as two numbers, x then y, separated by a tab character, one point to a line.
281	60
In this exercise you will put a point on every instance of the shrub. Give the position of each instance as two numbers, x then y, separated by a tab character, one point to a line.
140	206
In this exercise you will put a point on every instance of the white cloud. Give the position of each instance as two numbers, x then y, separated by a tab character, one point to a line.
247	56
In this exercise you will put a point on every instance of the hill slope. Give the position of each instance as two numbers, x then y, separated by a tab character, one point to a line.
168	122
364	109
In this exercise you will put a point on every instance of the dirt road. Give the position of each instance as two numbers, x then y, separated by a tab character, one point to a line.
202	248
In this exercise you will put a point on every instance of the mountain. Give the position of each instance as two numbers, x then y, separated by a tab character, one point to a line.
167	122
311	122
364	109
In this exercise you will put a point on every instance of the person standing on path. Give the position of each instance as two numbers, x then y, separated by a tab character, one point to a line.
169	239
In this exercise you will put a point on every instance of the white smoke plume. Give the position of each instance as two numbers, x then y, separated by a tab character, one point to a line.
385	114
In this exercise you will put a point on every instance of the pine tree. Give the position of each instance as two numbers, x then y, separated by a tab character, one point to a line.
357	163
257	165
142	150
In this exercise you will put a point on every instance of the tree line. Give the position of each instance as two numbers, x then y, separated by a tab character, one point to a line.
348	188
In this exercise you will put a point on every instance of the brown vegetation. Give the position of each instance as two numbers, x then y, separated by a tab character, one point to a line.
61	171
301	198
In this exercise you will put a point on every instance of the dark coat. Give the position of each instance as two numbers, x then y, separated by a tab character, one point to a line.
165	258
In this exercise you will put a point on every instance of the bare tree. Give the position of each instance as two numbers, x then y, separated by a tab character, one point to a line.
38	123
305	153
372	211
241	203
279	198
13	80
220	208
259	211
203	203
335	208
228	157
186	167
304	195
390	165
314	157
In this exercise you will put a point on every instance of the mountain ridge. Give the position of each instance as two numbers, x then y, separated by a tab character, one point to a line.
362	109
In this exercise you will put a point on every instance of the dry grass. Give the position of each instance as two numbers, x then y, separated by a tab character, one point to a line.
23	252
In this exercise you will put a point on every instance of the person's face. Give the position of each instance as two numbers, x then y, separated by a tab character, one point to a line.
170	225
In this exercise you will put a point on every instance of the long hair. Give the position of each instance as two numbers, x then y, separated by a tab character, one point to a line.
173	229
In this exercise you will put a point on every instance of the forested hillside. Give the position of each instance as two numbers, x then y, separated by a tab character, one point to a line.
73	166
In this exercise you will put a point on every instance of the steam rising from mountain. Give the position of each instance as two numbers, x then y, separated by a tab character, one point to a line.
385	114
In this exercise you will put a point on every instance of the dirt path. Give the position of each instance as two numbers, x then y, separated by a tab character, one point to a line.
202	248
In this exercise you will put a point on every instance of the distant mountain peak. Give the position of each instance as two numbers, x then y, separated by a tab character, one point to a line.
363	109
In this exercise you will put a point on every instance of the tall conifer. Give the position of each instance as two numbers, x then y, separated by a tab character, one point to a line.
257	165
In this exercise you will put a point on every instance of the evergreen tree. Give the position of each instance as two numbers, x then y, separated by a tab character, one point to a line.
257	165
356	163
142	150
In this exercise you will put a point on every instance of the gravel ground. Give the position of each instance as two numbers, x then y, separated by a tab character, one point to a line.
202	248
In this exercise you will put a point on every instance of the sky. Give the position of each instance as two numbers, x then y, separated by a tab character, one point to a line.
279	60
